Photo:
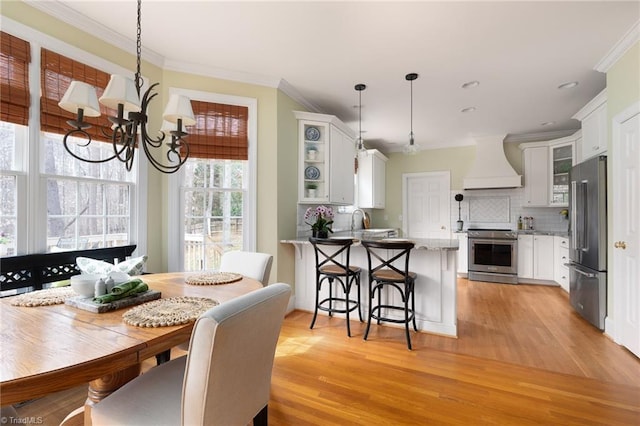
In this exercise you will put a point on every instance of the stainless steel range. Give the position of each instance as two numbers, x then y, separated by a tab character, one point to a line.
493	255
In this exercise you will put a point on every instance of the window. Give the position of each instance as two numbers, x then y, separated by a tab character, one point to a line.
15	56
215	191
49	200
214	204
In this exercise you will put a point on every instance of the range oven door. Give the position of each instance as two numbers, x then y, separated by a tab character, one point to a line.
494	256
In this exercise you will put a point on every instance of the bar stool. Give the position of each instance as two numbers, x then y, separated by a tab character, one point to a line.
384	274
329	268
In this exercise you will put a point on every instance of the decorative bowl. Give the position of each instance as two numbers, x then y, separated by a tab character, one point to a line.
84	284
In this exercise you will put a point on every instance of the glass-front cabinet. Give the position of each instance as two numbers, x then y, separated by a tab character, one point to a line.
562	158
546	171
326	166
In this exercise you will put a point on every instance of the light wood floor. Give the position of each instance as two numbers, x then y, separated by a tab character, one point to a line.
523	357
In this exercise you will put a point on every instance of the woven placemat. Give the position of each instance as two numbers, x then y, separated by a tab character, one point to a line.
213	278
167	312
48	296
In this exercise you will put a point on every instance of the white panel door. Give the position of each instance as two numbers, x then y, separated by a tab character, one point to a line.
626	232
426	205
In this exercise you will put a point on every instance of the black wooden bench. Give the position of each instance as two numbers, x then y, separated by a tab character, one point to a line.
33	271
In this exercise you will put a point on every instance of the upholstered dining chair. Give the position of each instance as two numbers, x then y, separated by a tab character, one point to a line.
250	264
225	378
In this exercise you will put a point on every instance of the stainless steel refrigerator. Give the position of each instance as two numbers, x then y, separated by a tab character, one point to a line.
588	239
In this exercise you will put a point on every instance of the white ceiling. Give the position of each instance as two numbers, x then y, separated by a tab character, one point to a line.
520	52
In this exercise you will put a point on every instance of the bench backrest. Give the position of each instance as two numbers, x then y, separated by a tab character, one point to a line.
31	271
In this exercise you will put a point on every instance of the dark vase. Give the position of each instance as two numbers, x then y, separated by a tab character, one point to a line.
314	233
323	234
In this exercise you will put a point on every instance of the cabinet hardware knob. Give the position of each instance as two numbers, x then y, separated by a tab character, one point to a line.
620	244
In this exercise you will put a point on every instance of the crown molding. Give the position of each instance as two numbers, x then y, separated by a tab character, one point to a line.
293	93
539	136
77	20
224	74
619	49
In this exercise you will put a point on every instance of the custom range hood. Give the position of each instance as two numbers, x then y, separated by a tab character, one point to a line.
491	168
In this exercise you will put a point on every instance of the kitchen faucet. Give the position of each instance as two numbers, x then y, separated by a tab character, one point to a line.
353	213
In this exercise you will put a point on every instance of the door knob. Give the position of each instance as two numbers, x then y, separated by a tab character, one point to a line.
620	244
443	227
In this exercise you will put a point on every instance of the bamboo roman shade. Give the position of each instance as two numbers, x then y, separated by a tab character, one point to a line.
14	75
56	74
220	131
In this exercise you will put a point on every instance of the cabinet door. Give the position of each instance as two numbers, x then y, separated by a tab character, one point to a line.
525	256
594	133
371	180
543	259
560	161
342	167
314	158
536	175
463	253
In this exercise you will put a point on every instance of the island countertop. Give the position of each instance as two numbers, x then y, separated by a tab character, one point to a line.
433	260
420	243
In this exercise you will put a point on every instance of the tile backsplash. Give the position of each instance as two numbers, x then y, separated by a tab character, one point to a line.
500	209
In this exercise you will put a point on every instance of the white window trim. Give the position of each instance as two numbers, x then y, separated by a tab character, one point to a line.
36	227
175	215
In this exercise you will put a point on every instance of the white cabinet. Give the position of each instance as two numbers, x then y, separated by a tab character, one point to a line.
543	259
463	253
525	256
535	257
371	179
561	253
536	176
594	126
546	171
326	165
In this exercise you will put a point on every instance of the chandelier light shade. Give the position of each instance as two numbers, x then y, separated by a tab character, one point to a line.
129	127
411	148
81	97
360	148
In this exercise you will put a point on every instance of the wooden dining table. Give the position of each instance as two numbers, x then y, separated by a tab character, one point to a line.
46	349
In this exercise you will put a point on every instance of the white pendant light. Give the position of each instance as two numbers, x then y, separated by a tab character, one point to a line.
411	148
360	148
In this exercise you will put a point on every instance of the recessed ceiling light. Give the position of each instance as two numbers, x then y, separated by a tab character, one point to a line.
548	123
468	109
470	84
568	85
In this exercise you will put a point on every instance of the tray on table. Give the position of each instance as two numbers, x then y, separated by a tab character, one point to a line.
87	303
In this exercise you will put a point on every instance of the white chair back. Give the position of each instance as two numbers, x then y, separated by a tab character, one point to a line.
231	357
250	264
224	380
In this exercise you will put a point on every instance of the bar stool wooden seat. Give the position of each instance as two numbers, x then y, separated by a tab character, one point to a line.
383	256
329	268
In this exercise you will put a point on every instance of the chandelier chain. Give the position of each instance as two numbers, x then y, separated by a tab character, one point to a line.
138	76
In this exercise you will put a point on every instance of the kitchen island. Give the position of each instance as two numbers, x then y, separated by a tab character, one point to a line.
435	262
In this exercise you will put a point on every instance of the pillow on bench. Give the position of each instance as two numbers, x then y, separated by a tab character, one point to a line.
134	266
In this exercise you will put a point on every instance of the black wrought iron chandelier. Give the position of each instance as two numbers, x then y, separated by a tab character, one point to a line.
411	147
360	148
123	94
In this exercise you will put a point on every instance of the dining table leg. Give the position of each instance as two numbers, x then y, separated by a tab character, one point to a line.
98	390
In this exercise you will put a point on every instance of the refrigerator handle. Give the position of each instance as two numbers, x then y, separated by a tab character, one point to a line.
585	216
586	274
573	223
